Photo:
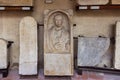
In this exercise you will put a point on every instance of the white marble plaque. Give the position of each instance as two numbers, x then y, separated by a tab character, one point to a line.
3	54
117	47
92	50
28	47
92	2
58	43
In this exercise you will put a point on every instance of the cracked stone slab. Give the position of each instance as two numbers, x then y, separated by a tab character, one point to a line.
91	50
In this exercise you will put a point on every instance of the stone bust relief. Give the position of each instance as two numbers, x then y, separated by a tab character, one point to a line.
58	36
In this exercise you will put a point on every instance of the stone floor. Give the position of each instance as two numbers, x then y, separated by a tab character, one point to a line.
13	75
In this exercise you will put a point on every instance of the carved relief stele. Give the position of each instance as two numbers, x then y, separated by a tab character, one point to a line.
58	51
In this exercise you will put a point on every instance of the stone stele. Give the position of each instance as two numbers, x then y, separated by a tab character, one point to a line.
28	47
117	47
58	43
91	50
92	2
3	54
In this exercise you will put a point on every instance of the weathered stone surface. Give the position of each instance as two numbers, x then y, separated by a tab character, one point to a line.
107	58
16	2
58	43
115	1
92	2
57	64
91	50
117	47
3	54
28	47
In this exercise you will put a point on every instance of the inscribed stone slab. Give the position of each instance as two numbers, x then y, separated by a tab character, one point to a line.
28	47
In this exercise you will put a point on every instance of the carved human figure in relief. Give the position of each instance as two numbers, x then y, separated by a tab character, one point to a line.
59	36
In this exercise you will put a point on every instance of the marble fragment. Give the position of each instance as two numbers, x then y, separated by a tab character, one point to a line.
91	50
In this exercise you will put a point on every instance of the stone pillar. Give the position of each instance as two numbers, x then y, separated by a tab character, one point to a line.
28	47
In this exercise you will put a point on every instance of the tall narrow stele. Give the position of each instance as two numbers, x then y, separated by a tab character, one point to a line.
28	47
117	47
58	43
3	54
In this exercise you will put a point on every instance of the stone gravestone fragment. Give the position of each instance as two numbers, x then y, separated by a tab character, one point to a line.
28	47
91	50
92	2
115	1
117	47
58	43
3	54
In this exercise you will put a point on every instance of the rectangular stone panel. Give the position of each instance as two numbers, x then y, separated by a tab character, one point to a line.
115	1
16	2
92	2
28	47
92	51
